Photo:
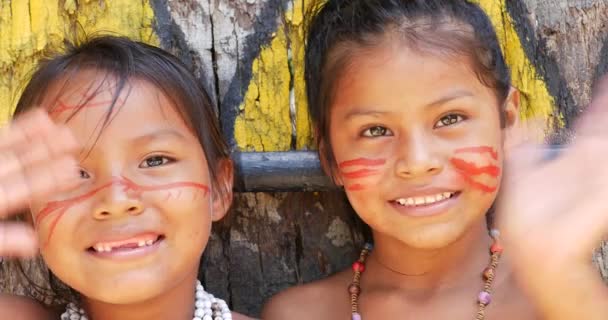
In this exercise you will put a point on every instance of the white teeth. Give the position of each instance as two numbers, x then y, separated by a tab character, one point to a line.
416	201
100	247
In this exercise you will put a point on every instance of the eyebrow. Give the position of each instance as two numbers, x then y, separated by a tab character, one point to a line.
442	100
158	134
449	97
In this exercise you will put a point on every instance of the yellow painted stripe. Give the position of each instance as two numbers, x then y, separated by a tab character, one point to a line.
264	122
536	100
29	27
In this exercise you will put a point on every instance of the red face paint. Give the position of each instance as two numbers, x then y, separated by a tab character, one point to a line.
479	150
365	171
62	106
470	170
362	162
474	170
359	174
355	187
60	207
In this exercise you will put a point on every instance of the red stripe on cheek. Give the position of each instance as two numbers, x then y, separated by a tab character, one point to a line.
359	173
356	187
362	162
479	150
478	185
472	169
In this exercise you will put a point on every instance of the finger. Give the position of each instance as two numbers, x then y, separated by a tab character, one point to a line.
32	123
595	117
41	180
587	223
9	163
17	240
39	150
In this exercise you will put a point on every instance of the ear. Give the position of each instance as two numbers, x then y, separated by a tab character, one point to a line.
329	168
511	108
222	193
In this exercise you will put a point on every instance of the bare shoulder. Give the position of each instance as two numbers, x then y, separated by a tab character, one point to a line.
322	299
18	307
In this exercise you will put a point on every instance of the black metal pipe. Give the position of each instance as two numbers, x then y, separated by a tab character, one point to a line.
279	171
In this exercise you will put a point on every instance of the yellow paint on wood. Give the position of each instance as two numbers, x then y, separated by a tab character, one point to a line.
29	27
264	123
536	100
295	20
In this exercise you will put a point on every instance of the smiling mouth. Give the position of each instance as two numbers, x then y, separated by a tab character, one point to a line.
126	245
425	200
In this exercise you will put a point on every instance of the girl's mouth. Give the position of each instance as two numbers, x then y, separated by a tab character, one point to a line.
425	205
133	244
425	200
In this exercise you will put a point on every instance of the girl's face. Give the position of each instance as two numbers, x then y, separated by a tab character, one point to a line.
140	220
418	144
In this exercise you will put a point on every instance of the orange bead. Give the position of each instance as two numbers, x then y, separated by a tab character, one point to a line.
496	248
358	267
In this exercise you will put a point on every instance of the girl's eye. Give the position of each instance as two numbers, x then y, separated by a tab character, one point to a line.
155	161
449	120
377	131
84	174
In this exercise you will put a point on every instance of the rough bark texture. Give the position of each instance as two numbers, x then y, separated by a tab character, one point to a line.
248	54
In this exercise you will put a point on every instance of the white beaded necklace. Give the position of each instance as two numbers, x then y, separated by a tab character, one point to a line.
206	307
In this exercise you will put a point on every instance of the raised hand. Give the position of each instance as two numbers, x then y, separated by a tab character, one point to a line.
35	160
554	212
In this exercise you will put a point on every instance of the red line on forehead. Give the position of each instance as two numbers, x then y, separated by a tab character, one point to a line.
62	106
479	149
362	162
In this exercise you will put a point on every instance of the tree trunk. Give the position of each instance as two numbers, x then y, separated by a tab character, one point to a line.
249	56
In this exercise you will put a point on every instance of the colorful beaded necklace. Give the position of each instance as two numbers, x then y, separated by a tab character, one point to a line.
483	299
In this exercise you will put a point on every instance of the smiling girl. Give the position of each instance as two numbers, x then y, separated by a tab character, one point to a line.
413	108
126	233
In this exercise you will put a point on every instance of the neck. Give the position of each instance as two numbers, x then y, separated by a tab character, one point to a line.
457	265
177	303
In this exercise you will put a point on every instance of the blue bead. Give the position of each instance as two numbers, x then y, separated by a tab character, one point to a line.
368	246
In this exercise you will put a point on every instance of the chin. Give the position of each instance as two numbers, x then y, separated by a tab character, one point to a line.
432	237
125	291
